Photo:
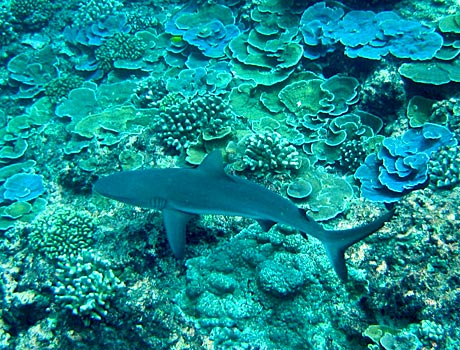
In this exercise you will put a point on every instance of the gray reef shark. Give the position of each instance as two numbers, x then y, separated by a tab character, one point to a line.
183	193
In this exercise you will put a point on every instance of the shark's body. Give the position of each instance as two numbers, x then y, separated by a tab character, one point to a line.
184	193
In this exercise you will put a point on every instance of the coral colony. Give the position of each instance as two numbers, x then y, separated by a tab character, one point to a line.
330	117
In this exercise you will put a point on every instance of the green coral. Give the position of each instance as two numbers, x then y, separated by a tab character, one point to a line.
421	110
20	211
391	339
325	144
434	73
267	54
85	285
30	72
450	24
306	98
299	189
113	124
62	233
317	95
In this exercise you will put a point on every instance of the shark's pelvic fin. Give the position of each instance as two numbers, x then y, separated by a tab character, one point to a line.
266	224
175	224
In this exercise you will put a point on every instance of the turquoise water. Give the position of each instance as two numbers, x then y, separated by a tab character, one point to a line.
348	109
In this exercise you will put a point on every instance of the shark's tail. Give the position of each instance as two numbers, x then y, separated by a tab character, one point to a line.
337	241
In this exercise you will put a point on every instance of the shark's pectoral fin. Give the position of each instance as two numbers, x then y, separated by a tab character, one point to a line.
266	224
175	224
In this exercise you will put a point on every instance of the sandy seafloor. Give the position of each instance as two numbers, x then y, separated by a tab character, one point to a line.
80	271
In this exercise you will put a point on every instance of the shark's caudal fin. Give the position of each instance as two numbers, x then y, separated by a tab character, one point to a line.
337	241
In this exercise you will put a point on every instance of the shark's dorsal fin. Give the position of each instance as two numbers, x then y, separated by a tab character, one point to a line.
213	164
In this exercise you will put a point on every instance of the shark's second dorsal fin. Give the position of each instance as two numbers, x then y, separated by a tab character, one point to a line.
213	163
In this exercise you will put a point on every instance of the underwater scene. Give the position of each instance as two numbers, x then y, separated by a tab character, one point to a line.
227	174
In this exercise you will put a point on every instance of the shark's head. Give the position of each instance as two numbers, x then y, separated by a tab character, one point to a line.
132	187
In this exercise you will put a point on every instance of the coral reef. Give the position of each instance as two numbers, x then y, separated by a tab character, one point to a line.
332	104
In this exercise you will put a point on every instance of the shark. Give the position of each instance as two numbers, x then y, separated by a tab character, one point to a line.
184	193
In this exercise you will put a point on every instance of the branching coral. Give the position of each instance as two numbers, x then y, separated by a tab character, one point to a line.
121	46
63	233
183	122
85	285
268	152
